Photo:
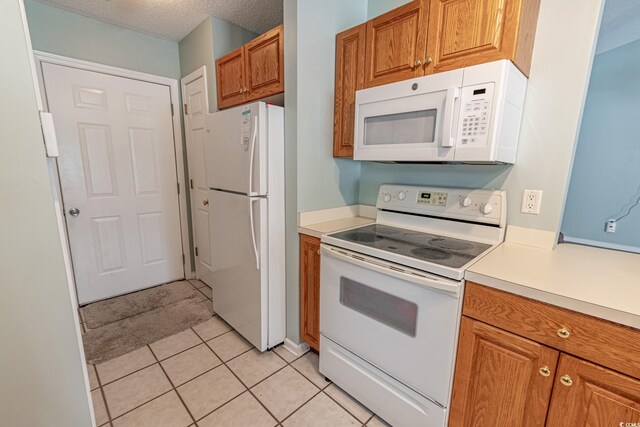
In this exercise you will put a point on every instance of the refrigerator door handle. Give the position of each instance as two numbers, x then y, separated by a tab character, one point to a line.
253	233
253	149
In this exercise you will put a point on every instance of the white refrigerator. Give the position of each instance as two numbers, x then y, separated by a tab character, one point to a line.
244	149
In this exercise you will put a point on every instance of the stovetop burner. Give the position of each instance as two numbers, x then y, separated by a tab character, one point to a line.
430	254
445	251
362	237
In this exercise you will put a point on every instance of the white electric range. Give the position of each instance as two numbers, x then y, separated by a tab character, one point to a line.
391	297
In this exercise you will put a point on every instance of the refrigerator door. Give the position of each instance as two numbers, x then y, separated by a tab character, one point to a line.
236	149
239	264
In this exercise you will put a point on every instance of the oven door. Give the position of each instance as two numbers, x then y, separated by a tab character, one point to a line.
412	120
404	324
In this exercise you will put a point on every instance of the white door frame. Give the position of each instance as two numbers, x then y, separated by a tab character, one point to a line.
172	84
200	72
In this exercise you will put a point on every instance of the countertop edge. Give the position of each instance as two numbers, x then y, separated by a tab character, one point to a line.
594	310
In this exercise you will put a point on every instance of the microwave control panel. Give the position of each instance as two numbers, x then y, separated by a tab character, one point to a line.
475	114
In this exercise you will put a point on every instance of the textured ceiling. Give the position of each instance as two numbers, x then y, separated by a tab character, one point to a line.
620	24
174	19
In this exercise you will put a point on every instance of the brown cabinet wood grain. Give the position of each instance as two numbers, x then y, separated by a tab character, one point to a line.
470	32
230	79
585	394
350	48
502	332
498	380
394	42
310	290
253	71
264	62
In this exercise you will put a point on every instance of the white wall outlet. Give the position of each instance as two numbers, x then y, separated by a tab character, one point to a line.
610	226
531	201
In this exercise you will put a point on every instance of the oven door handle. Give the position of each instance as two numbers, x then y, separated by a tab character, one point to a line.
452	288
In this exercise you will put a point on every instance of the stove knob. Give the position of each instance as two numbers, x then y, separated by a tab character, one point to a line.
386	197
402	195
486	208
466	202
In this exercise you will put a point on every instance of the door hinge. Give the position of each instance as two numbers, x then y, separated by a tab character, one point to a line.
186	110
191	183
196	251
178	187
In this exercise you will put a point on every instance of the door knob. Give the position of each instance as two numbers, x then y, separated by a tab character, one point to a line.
74	211
205	202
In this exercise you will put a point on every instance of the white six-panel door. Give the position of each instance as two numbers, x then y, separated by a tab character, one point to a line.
118	169
196	106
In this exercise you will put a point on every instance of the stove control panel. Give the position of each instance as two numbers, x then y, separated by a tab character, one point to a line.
474	205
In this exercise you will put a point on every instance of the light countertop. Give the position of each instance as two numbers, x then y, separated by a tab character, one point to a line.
598	282
317	230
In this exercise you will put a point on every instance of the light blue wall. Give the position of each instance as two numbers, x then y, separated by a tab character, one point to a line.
378	7
606	169
41	364
323	181
58	31
210	40
314	179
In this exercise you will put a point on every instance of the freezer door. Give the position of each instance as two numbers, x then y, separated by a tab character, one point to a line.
236	149
239	263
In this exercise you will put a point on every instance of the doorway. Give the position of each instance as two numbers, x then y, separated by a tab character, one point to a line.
119	173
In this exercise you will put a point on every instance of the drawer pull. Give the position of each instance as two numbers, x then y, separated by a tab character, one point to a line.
563	333
566	380
545	371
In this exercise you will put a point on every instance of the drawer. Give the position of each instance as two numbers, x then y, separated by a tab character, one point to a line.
600	341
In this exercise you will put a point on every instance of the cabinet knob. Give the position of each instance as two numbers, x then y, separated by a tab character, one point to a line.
566	380
563	333
428	60
417	63
545	371
318	251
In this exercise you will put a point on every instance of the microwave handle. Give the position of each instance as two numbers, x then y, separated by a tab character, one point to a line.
447	139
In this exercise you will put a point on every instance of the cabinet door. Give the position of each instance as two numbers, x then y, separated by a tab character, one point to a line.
350	46
395	42
585	394
230	79
469	32
264	59
500	379
310	290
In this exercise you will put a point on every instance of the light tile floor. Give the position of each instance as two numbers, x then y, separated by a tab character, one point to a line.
210	376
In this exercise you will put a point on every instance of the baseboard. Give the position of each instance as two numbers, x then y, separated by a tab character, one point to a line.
295	349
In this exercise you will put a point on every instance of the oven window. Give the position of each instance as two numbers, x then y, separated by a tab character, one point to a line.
414	127
399	314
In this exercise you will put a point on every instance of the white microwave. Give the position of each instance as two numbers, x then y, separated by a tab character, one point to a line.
470	115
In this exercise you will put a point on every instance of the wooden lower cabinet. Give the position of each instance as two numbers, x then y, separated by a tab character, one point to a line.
501	379
310	290
586	394
520	362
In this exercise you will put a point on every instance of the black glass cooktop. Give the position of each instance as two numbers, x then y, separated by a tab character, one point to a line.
446	251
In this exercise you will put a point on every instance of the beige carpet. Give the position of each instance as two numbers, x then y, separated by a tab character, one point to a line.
122	324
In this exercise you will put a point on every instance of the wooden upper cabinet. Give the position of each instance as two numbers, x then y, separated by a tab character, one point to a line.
585	394
264	61
470	32
501	379
350	48
394	42
253	71
230	79
310	290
